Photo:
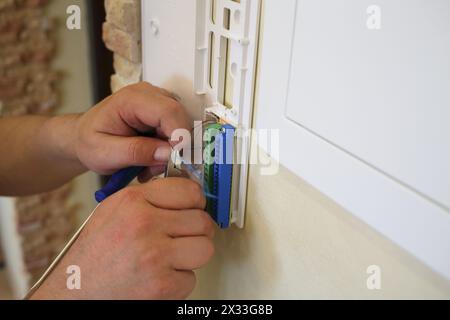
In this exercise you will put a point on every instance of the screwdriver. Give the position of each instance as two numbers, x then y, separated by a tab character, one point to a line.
122	178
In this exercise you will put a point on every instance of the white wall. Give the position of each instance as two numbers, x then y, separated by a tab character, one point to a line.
73	59
297	243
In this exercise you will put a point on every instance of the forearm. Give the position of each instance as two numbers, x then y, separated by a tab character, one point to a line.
38	154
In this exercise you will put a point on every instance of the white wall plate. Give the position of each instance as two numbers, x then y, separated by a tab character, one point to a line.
206	51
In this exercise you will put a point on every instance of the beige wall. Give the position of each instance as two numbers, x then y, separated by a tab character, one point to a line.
73	60
299	244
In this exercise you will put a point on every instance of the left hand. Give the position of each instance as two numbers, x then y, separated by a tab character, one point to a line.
107	136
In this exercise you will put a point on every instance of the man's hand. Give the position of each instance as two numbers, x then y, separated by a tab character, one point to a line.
107	136
145	241
43	153
142	243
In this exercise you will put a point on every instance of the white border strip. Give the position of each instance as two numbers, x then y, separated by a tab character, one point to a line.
12	249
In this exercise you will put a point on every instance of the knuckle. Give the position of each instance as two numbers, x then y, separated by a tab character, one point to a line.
133	151
126	91
155	184
163	288
193	281
189	286
209	250
201	200
130	195
167	287
206	223
195	189
136	225
142	222
152	258
143	85
133	89
140	219
173	107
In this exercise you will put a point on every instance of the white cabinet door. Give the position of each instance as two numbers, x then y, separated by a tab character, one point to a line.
365	114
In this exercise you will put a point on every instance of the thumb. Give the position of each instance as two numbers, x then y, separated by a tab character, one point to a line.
125	152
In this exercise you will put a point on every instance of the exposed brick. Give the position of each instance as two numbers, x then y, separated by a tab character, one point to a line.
11	87
122	42
122	35
118	82
29	85
125	15
35	3
127	69
5	4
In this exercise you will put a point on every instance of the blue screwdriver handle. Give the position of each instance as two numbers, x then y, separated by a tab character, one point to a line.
121	179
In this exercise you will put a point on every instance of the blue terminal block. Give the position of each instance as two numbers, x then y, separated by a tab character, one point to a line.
219	175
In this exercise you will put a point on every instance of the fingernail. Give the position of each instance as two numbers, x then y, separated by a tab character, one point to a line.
162	154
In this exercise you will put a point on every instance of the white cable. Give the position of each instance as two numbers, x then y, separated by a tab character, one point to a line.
59	257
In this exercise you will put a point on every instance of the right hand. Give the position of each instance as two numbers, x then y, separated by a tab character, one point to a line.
143	243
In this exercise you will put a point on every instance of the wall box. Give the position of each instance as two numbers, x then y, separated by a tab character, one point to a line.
205	51
365	114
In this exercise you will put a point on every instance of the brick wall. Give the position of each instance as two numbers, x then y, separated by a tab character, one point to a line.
45	223
122	35
28	85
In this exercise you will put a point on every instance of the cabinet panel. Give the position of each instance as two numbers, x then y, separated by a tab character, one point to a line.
381	95
364	114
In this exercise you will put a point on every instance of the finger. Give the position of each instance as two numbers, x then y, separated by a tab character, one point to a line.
170	94
122	152
186	281
147	86
177	285
174	194
152	107
150	173
188	223
191	253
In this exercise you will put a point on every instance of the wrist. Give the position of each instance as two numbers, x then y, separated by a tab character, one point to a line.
55	288
62	135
